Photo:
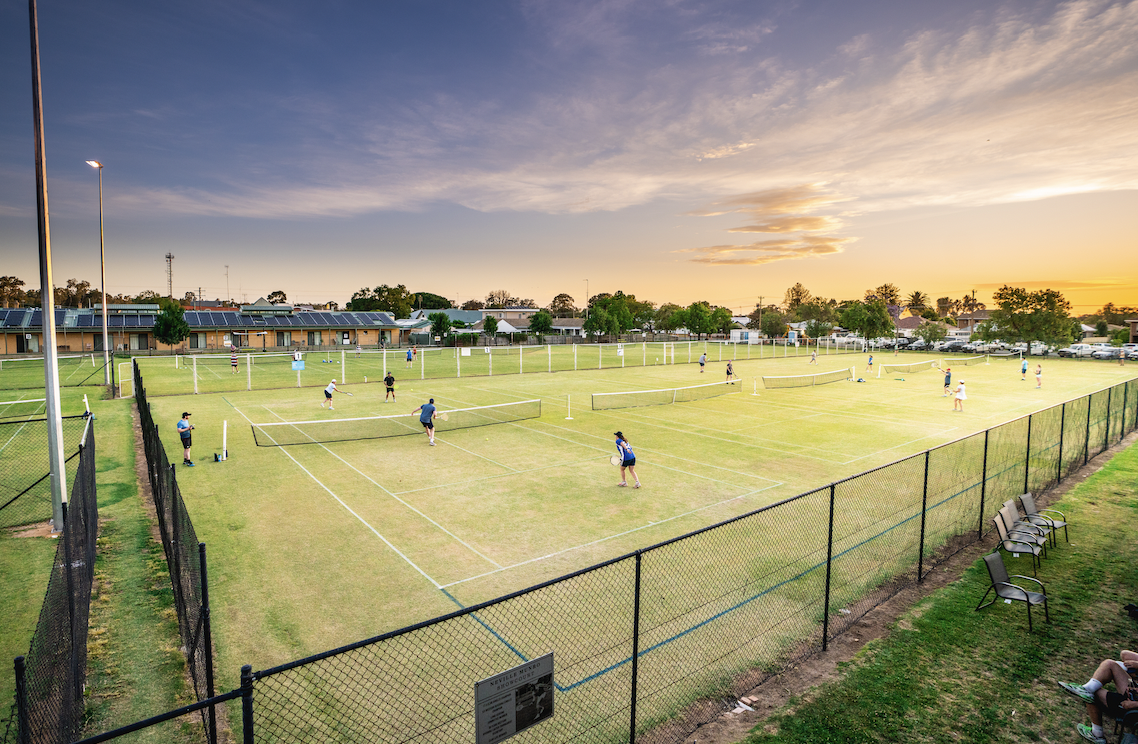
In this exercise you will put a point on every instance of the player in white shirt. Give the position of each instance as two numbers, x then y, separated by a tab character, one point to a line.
328	395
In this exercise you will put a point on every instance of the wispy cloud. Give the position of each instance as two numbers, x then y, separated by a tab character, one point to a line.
768	251
1008	106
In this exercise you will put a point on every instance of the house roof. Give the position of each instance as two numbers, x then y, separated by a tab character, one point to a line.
466	316
568	323
909	324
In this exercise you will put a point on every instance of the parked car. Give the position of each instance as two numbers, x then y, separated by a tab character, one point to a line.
1077	350
1111	353
918	344
1133	356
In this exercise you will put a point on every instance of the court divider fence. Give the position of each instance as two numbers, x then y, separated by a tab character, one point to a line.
49	702
185	556
650	645
214	373
75	370
25	475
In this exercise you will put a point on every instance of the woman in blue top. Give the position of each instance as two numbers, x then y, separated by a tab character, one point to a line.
627	460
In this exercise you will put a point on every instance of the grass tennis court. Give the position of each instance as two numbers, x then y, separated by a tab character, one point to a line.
317	545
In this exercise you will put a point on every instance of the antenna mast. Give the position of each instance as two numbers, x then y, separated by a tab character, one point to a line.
170	275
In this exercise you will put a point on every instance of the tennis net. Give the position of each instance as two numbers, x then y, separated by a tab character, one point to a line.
22	408
969	361
637	398
285	433
821	378
910	368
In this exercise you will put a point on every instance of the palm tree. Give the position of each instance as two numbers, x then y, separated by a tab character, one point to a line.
917	300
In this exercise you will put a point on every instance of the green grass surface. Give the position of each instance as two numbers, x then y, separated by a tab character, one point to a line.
948	673
319	545
18	374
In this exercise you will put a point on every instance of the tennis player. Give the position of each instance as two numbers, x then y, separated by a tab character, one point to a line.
814	357
1038	376
869	367
730	372
1023	370
184	429
410	358
358	350
233	358
328	395
702	361
947	381
427	418
389	381
961	396
627	460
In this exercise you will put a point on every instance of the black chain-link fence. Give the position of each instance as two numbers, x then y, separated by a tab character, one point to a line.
184	556
651	645
49	679
25	479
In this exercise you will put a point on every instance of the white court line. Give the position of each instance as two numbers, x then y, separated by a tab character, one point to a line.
657	452
610	537
660	453
349	509
392	495
498	475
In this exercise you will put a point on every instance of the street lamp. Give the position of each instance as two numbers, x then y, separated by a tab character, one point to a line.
103	277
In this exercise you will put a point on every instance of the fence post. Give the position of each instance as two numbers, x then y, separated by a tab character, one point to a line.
1027	458
1062	430
635	651
983	485
207	639
23	724
1087	437
924	505
1106	429
829	563
1125	395
247	704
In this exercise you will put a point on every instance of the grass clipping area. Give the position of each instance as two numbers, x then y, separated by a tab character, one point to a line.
947	673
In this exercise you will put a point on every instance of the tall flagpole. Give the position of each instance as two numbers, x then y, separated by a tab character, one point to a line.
47	294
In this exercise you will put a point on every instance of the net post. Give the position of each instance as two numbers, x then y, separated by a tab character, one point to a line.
924	511
983	486
298	378
644	354
568	407
225	440
490	361
458	361
600	356
343	366
1027	458
248	371
829	564
382	353
520	357
247	704
195	371
423	365
635	652
549	357
207	643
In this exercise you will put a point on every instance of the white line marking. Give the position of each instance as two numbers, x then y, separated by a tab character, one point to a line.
610	537
392	495
349	509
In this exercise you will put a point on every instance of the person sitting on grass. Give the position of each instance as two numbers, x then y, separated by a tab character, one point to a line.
1122	673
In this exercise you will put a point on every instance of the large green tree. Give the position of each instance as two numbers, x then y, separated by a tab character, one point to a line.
170	327
722	320
818	328
395	300
917	301
1023	315
819	309
773	324
541	324
869	319
699	319
598	323
490	326
440	324
795	296
886	294
430	301
12	293
562	306
277	297
670	317
931	332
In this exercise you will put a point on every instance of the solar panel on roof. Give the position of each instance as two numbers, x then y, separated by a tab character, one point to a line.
131	321
147	321
87	321
116	321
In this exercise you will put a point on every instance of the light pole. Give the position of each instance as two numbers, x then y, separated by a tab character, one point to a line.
586	299
103	277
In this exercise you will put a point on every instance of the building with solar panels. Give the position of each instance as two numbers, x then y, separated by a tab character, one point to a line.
260	326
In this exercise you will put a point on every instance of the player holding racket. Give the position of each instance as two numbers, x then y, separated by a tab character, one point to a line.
427	418
389	381
627	459
328	394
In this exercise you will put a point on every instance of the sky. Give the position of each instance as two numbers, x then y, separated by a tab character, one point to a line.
678	150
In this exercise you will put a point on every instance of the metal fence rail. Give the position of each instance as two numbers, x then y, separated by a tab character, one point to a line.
650	645
49	679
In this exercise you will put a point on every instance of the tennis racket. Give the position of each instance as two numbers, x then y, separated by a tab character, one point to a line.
444	416
345	392
615	460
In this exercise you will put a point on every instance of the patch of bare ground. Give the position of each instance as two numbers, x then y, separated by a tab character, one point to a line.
771	693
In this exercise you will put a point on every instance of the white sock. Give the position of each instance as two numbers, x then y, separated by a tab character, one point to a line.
1096	729
1093	686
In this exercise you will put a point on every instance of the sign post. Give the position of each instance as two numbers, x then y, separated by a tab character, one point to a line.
512	701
